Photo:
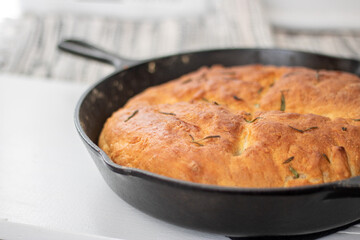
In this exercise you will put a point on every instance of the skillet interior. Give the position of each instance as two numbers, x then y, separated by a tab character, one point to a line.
229	211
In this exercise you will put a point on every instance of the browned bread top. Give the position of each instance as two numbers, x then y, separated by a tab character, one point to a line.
225	126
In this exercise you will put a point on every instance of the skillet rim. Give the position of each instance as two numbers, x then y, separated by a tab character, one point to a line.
118	169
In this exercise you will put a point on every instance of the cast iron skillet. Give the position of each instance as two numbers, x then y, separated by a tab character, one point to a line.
224	210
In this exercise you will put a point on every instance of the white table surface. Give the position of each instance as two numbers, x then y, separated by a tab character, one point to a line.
48	180
49	186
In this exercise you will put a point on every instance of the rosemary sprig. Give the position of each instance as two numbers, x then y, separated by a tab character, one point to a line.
344	129
132	115
326	157
251	121
288	160
260	90
168	113
237	98
294	172
356	120
302	131
283	104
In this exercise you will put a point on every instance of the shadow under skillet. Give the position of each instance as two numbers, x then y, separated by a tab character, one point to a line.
311	236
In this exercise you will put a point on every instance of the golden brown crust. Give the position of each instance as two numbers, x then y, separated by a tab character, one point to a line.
223	126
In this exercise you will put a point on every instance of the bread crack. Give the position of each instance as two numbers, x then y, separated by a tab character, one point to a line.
242	142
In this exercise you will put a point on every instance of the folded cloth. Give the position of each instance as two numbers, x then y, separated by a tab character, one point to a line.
228	23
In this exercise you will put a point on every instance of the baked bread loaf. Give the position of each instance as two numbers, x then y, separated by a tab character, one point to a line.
245	126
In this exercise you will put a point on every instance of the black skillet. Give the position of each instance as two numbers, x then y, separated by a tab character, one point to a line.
224	210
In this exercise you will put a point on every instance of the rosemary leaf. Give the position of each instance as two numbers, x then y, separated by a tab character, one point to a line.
302	131
299	130
251	121
201	145
192	138
344	129
237	98
310	128
132	115
260	90
356	120
326	157
207	100
283	104
168	113
213	136
198	141
288	160
294	172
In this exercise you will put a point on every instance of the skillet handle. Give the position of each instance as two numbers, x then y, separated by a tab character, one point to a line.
87	50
